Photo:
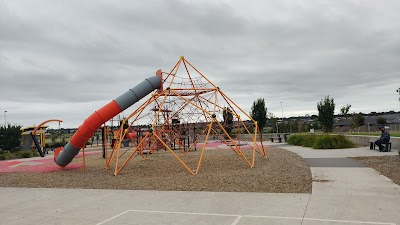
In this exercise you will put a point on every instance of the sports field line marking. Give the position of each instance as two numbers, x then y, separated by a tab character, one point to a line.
237	220
239	217
105	221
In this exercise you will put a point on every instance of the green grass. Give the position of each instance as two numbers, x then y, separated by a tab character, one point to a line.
392	133
324	141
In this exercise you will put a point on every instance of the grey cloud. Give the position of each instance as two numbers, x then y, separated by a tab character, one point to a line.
83	53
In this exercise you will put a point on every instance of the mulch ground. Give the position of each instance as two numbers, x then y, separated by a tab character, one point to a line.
388	166
221	171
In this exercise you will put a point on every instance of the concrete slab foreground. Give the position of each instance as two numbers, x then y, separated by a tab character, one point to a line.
352	181
344	193
104	207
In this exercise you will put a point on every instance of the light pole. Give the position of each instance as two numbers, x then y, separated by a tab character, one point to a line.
5	118
282	113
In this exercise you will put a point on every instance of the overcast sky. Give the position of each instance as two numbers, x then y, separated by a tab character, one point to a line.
66	59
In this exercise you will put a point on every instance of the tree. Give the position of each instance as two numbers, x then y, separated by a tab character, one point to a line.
381	120
10	137
259	113
358	120
228	119
345	110
274	124
97	138
326	109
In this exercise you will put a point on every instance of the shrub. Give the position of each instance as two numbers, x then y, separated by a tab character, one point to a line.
10	137
306	140
53	145
295	139
34	153
332	142
22	154
26	154
4	152
5	156
320	141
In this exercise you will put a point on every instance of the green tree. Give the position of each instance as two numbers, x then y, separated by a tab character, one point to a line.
274	123
10	137
326	109
345	110
259	113
228	119
97	138
381	120
53	136
358	120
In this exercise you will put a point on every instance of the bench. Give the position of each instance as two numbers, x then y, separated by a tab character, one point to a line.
388	145
279	139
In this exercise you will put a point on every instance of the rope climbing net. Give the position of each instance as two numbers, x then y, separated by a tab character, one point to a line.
183	115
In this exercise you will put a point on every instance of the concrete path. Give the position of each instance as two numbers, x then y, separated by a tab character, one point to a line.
351	195
356	190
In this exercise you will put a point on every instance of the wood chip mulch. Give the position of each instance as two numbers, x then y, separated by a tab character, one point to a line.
221	171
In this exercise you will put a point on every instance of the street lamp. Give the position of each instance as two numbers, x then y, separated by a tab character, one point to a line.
282	113
5	118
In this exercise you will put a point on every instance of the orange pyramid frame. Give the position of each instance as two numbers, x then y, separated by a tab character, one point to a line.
188	104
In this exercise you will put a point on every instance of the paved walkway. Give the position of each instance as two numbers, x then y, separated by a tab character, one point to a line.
334	173
350	195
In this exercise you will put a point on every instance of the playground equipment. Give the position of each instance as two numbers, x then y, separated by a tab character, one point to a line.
29	136
64	155
187	111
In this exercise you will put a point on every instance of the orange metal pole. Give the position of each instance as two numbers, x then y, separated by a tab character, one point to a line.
177	157
204	147
200	73
174	68
83	158
261	142
201	134
239	151
223	139
254	148
253	138
227	98
191	81
133	153
43	123
238	129
105	145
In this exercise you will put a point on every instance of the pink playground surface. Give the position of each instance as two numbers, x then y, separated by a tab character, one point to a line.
38	165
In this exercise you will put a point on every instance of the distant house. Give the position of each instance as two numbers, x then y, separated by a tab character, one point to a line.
343	124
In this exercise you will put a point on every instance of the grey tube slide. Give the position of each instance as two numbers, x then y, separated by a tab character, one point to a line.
65	155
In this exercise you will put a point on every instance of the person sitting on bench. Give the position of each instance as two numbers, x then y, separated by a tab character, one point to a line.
385	137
